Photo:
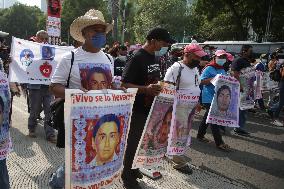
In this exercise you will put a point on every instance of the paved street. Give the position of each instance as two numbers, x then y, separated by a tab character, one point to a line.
256	162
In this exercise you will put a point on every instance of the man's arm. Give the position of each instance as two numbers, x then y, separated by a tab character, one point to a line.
57	89
152	89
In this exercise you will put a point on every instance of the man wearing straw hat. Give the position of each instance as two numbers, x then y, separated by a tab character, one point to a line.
90	30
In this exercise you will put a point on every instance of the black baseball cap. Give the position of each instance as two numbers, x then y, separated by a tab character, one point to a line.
160	34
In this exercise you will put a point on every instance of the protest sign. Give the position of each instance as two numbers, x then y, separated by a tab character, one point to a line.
95	76
247	78
258	84
97	126
34	63
224	109
153	143
183	112
53	22
5	140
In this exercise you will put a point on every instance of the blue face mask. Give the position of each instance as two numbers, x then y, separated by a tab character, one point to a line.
99	40
161	52
220	62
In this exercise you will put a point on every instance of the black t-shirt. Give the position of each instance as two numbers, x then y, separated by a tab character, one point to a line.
119	64
142	69
239	64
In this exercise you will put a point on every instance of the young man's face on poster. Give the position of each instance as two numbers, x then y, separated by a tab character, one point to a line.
98	81
224	99
105	142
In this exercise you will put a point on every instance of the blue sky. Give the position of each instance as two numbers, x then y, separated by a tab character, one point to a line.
31	2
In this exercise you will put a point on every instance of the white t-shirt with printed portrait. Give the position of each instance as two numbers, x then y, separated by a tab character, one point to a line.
80	56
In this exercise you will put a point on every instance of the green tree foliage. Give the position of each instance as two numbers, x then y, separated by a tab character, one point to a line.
170	14
231	19
22	21
72	9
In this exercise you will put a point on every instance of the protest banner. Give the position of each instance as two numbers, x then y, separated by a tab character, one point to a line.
224	109
95	76
154	140
258	84
34	63
247	78
96	126
183	112
53	22
5	140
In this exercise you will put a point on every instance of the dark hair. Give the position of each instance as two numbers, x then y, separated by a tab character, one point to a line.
2	104
245	48
170	110
105	119
274	55
113	51
99	70
123	48
223	87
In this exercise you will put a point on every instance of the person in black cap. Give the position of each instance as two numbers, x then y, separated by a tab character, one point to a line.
142	72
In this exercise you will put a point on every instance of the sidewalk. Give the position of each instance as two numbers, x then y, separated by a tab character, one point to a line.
34	160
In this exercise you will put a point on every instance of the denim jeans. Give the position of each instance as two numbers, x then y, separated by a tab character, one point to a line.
4	177
38	98
57	180
242	118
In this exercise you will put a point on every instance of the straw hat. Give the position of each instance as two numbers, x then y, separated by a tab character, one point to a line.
92	17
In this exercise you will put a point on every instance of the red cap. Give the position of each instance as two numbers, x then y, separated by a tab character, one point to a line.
194	48
230	57
220	53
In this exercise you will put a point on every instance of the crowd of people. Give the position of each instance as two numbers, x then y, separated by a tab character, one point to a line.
142	67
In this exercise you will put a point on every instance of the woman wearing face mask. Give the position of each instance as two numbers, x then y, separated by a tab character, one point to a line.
210	71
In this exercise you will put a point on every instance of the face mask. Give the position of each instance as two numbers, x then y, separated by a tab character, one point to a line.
220	62
99	40
194	63
161	52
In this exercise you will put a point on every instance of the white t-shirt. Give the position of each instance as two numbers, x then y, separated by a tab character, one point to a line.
80	56
189	78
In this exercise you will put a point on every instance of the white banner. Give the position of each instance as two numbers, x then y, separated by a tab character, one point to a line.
247	78
96	126
153	143
183	113
224	109
34	63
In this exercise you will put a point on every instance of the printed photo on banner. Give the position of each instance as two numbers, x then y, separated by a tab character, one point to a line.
34	63
247	79
54	8
185	102
258	84
224	109
5	141
153	143
95	76
98	135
